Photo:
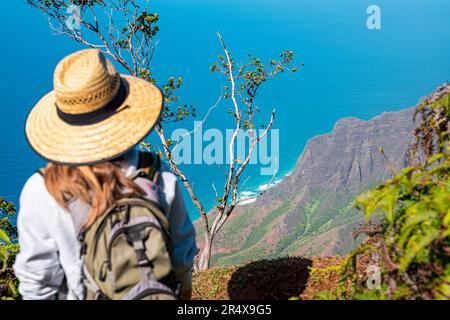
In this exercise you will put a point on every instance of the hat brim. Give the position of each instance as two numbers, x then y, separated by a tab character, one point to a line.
62	143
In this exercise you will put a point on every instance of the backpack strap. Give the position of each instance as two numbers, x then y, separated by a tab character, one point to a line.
150	165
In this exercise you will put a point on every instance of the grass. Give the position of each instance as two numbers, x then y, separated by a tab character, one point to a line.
248	254
276	279
310	208
262	229
250	250
236	224
315	220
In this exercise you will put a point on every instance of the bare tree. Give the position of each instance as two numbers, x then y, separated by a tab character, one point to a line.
129	38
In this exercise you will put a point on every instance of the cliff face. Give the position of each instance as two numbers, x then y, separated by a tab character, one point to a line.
310	212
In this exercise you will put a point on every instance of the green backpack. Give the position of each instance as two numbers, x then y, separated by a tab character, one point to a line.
127	253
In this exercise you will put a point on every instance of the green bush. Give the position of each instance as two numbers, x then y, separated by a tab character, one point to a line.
414	235
8	250
412	239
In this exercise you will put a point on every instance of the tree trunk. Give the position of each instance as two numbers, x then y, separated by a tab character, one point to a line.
205	256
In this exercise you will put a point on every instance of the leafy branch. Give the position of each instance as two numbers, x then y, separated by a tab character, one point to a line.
129	38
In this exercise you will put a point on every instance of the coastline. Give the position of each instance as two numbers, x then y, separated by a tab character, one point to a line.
250	195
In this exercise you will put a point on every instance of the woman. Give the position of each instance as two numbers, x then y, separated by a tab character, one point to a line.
87	128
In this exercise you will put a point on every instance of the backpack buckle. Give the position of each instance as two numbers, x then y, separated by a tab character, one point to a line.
137	239
142	259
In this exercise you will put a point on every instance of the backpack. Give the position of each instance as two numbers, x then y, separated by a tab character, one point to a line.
126	252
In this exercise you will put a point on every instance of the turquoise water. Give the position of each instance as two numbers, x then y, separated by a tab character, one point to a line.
349	70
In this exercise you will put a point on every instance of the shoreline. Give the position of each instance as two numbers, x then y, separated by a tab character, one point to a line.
250	195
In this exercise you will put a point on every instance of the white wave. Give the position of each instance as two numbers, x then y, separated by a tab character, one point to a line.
247	197
247	201
263	187
248	194
269	185
288	174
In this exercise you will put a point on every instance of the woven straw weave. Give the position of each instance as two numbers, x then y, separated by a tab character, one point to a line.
83	82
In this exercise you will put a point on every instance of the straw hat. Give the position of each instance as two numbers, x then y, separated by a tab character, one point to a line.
93	114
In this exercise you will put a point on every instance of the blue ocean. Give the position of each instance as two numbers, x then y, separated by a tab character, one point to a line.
349	70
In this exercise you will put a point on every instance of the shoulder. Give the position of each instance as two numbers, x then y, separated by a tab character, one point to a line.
34	186
35	199
168	182
167	177
164	168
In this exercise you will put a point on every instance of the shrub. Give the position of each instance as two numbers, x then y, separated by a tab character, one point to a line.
412	241
8	250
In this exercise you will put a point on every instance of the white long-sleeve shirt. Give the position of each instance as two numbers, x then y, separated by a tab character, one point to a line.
49	249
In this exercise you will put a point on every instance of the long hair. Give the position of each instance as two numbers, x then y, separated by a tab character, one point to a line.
98	185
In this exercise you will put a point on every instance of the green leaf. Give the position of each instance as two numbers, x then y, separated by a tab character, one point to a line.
4	237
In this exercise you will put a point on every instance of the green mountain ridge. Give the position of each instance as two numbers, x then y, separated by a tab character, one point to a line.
310	213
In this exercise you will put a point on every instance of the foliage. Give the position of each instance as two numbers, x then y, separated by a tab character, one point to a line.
248	79
126	31
256	280
8	251
325	295
244	81
414	235
249	249
320	274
